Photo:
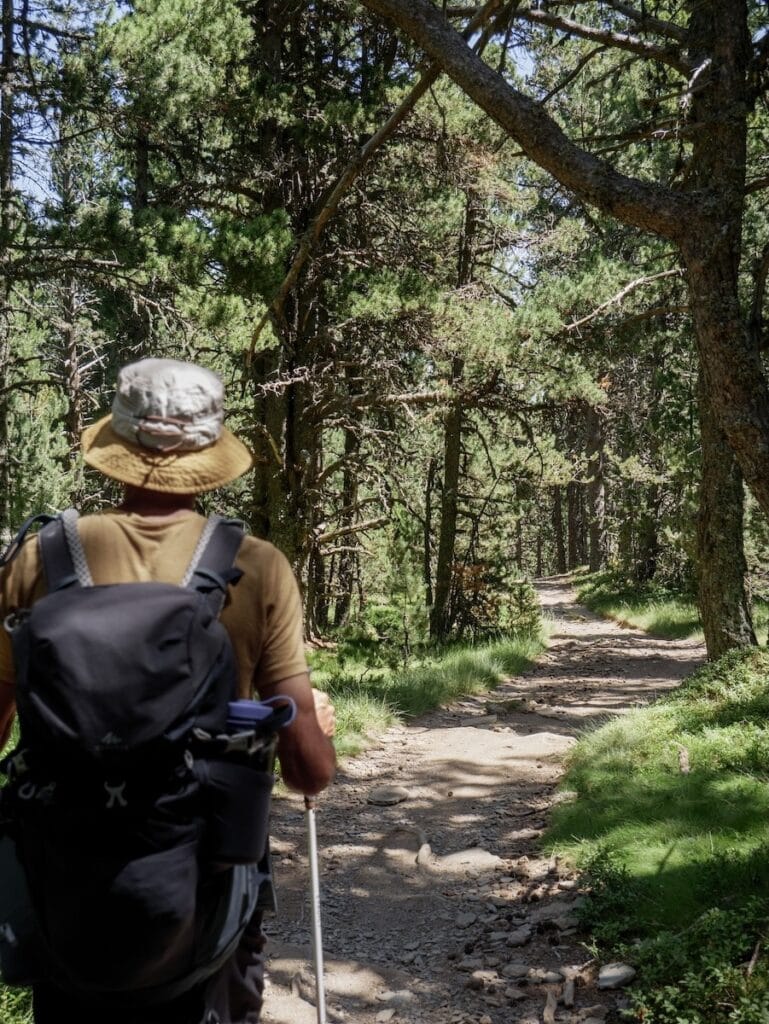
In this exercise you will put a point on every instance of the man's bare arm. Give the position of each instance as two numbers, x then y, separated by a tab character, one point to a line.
306	753
7	710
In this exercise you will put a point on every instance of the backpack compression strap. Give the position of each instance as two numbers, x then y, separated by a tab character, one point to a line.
62	553
211	569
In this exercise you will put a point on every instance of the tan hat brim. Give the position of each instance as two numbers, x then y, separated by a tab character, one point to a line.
169	472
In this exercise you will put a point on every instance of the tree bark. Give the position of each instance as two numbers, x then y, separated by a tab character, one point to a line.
428	534
596	489
347	558
723	597
729	403
573	524
440	613
648	541
7	72
558	537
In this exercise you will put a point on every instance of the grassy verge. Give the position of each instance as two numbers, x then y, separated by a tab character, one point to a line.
656	609
678	860
650	607
369	694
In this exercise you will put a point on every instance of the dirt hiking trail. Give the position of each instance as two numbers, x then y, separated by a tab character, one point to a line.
440	909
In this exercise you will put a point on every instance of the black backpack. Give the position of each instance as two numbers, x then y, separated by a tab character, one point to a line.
127	799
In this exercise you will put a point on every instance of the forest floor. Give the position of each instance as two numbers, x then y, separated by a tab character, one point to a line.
442	908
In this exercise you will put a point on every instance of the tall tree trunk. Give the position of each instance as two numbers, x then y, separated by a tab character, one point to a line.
718	34
539	569
7	72
573	524
558	536
519	545
348	557
428	534
596	490
723	596
440	613
648	538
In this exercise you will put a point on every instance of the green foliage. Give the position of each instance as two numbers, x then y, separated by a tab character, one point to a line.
15	1005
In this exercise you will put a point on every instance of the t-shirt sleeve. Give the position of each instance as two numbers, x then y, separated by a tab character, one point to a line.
21	583
282	654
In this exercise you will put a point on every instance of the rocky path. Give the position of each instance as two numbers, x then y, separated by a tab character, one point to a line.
440	908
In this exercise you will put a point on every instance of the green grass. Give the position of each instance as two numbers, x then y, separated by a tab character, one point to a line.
649	607
369	696
675	854
654	608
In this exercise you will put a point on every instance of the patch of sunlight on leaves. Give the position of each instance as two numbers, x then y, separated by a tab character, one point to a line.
15	1005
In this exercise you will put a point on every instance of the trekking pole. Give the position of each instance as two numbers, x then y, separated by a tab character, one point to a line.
317	937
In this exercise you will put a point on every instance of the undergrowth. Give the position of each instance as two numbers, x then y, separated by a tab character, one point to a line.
651	606
669	823
658	609
371	690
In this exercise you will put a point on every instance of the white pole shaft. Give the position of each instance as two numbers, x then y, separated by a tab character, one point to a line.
317	936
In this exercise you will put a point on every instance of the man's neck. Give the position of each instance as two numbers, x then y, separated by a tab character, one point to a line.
142	502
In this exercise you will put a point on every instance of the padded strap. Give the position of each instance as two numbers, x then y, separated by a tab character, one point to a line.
62	552
211	568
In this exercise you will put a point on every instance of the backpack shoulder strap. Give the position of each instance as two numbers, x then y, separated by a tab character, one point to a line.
64	560
212	568
16	544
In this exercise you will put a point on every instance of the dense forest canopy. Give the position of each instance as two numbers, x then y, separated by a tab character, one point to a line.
486	283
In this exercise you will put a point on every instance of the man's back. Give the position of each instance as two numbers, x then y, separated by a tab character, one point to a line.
262	613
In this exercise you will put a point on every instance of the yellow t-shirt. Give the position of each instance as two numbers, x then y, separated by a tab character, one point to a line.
262	613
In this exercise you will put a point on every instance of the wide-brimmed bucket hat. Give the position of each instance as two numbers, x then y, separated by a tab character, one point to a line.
166	430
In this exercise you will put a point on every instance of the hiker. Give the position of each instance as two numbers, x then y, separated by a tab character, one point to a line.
165	442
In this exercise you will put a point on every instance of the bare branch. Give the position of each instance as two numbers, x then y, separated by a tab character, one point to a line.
345	531
756	185
670	55
621	294
647	21
573	73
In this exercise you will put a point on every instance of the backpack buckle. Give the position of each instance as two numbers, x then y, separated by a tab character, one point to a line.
242	743
15	619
